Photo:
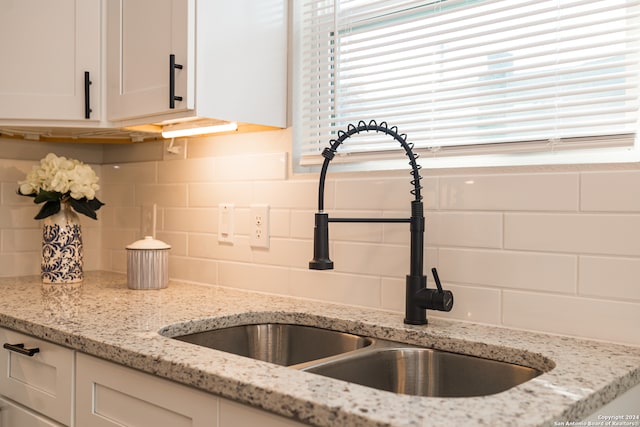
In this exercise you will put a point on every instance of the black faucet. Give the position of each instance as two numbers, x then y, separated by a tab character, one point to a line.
418	297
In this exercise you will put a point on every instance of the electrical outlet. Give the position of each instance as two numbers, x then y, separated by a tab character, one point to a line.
225	222
259	226
148	220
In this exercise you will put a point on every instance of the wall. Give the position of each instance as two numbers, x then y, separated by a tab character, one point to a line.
554	250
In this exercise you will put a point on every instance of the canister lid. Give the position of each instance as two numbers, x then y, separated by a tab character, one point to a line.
148	243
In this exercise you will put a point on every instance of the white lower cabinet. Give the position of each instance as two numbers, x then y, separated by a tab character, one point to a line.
37	375
12	414
111	395
37	389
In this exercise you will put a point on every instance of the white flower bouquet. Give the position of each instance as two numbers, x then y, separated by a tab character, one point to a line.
57	180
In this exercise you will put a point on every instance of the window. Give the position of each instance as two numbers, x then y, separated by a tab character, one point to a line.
469	79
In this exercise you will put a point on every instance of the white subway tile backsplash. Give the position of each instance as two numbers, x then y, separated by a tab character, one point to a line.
204	220
551	251
222	146
207	246
400	233
473	304
193	269
251	167
610	278
554	273
19	264
162	194
254	277
575	233
393	294
117	261
117	194
129	173
177	241
382	194
376	260
468	229
187	171
280	222
284	252
289	194
356	232
9	196
19	216
119	238
509	192
372	260
13	171
121	217
610	191
335	287
214	193
22	240
585	317
302	224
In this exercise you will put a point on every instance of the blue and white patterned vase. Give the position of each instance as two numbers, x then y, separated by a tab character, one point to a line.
62	247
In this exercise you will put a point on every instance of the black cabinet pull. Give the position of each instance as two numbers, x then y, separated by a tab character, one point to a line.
172	81
19	348
87	96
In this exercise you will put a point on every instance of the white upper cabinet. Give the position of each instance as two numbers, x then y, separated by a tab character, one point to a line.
230	56
47	48
142	36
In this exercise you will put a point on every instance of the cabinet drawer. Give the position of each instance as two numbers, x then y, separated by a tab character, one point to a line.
12	415
42	382
110	395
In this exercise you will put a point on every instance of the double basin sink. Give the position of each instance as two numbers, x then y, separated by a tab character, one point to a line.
371	362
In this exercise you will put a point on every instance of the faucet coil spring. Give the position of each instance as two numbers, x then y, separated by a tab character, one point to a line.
329	152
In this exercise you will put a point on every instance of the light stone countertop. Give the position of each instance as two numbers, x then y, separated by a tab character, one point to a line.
102	317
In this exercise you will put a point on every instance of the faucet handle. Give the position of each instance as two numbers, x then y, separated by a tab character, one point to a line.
440	300
436	278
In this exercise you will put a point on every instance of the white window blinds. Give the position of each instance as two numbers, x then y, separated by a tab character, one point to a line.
463	74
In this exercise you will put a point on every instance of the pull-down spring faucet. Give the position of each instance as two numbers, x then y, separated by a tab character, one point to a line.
418	297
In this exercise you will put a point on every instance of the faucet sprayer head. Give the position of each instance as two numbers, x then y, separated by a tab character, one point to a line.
321	259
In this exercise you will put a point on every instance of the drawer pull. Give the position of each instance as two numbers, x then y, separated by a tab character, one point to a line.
19	348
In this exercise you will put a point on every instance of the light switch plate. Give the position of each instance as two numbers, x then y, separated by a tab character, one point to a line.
225	223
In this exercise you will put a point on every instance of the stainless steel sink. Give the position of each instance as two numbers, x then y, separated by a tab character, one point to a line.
380	364
426	372
282	344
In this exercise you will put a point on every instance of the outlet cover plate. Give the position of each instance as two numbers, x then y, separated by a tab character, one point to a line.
259	226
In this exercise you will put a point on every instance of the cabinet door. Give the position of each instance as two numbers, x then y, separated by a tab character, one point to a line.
12	415
110	395
46	47
43	381
141	36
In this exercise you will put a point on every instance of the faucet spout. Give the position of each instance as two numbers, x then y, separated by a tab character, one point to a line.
418	297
